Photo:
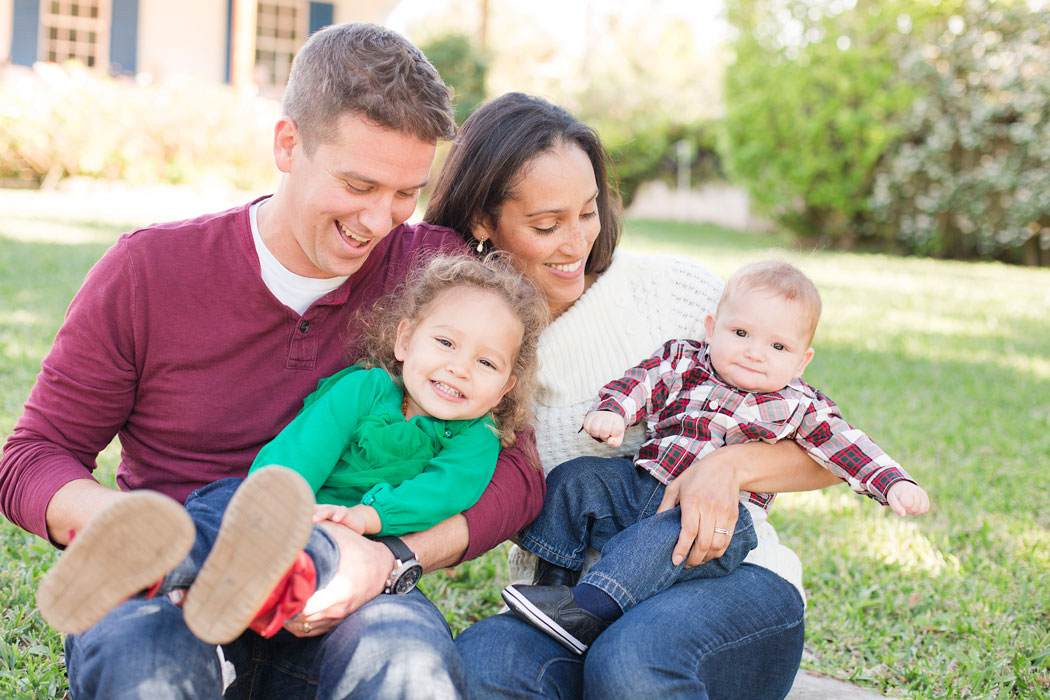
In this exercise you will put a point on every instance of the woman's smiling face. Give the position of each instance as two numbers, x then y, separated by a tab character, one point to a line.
550	222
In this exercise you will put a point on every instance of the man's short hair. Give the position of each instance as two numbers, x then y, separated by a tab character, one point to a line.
370	71
782	279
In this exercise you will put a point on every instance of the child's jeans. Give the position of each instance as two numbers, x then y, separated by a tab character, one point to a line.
610	504
206	506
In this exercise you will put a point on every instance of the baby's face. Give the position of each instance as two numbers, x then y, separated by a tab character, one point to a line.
759	341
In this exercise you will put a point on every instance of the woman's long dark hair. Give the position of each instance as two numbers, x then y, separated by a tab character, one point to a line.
487	159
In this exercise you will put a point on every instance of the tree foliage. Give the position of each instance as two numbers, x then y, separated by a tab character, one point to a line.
813	101
463	65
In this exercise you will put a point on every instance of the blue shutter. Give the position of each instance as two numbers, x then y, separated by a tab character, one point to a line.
25	28
124	37
322	14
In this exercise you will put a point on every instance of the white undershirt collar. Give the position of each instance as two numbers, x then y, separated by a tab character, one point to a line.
292	290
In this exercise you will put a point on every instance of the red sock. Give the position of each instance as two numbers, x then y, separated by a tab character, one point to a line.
287	598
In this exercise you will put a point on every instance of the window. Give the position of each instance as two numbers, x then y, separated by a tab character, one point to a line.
281	28
75	29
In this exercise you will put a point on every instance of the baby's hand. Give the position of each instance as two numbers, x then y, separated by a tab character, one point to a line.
605	426
906	498
341	514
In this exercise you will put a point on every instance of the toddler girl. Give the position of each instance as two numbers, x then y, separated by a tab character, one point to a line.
393	444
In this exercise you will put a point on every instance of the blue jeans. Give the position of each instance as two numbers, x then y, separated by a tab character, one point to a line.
206	507
610	504
395	646
736	636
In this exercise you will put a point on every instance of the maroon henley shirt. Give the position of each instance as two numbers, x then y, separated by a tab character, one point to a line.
175	344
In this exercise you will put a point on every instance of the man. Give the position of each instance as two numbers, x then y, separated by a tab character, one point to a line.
196	341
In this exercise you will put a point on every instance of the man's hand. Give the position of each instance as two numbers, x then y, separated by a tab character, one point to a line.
906	498
605	426
708	492
364	566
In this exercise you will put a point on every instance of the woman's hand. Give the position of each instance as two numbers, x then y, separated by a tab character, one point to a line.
364	566
708	492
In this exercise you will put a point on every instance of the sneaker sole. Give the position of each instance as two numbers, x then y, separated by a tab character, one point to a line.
126	548
267	523
523	608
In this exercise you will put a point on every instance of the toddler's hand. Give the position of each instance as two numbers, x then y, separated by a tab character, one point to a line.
606	426
341	514
906	498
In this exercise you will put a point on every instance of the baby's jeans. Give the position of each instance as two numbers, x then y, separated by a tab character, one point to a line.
609	504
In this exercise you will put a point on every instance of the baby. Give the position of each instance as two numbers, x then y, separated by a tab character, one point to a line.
743	384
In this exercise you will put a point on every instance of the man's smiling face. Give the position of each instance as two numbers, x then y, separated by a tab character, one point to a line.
348	194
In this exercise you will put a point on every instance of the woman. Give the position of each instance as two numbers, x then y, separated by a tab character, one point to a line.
526	177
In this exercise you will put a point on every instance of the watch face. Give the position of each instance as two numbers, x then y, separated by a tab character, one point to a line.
407	579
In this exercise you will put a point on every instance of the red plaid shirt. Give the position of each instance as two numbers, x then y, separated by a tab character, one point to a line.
690	412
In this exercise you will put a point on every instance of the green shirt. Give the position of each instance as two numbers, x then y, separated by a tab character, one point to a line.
351	442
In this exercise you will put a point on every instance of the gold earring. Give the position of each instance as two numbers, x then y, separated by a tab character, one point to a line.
481	244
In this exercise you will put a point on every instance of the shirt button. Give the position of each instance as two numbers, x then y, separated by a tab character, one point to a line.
694	414
448	433
304	326
714	405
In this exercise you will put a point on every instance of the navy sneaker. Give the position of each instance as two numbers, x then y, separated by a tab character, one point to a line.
553	611
548	574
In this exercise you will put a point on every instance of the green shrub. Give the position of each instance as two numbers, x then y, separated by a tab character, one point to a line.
65	120
649	151
812	103
463	65
971	174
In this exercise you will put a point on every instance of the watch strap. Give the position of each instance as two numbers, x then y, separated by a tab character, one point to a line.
397	547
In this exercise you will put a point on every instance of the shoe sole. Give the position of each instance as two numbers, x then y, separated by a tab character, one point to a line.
266	524
126	548
523	608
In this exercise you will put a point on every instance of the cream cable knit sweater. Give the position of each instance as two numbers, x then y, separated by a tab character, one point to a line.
638	304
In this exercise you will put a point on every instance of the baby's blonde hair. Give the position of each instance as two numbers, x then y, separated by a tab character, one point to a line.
781	278
495	274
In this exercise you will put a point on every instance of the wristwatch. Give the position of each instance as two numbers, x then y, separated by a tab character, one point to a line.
407	569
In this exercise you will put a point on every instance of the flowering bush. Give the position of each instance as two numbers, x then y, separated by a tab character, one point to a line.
970	175
65	120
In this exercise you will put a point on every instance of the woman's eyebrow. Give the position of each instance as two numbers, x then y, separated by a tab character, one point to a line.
559	211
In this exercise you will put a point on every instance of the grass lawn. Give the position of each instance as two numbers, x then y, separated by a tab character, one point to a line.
945	364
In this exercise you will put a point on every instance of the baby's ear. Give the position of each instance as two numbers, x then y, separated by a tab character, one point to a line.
806	357
709	326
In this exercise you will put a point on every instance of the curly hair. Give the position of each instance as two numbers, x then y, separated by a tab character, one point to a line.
496	275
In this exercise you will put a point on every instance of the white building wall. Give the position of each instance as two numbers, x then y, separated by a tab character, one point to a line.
7	9
184	38
375	11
